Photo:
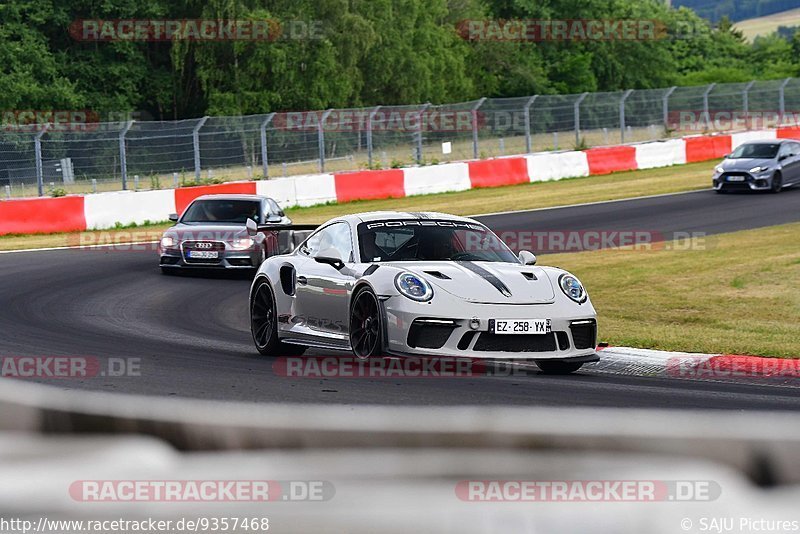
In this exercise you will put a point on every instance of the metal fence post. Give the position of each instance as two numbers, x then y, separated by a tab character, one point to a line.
321	139
746	102
196	144
37	148
527	115
782	100
475	127
369	133
622	100
264	154
708	90
665	106
578	118
419	131
123	155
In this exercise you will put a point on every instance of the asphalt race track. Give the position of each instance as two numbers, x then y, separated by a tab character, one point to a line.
192	338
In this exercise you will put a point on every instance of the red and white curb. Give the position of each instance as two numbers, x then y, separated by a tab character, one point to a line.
699	366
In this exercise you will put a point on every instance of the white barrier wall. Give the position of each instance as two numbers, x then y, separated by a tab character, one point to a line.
314	189
556	166
104	210
436	179
282	190
661	154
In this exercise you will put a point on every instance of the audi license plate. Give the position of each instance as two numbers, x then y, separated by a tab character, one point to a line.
203	254
736	178
519	326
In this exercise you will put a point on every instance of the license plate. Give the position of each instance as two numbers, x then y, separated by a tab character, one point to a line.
736	178
519	326
203	254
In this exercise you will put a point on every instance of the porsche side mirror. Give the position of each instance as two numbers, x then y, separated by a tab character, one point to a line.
173	217
527	257
330	256
252	227
784	156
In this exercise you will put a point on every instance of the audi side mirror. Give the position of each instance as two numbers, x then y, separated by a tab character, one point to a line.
173	217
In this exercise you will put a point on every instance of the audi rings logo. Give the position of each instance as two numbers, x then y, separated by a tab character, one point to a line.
203	245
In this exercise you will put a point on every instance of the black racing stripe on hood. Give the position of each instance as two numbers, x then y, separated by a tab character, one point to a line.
486	275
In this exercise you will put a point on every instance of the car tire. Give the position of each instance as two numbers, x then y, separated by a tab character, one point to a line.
264	324
366	324
777	183
558	367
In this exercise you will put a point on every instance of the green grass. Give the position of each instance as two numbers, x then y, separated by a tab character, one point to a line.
519	197
740	295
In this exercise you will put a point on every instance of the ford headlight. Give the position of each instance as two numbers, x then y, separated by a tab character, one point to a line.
413	287
242	243
719	170
167	242
572	288
759	169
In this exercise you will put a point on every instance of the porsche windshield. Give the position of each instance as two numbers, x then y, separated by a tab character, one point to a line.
755	151
222	211
430	240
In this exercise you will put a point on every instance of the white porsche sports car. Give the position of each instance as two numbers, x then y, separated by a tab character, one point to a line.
422	285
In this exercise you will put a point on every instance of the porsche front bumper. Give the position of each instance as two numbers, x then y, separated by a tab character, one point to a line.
411	330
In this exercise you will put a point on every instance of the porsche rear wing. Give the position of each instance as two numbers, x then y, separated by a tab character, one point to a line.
289	235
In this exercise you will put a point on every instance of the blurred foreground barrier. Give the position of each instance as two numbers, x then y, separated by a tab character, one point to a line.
765	446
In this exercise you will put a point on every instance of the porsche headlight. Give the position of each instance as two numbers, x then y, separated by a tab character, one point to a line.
242	243
572	288
168	242
413	287
759	169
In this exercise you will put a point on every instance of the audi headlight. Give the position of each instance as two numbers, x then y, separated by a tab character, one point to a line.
759	169
572	288
168	242
413	287
242	243
719	170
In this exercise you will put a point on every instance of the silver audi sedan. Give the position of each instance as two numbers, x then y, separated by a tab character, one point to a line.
759	166
212	234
